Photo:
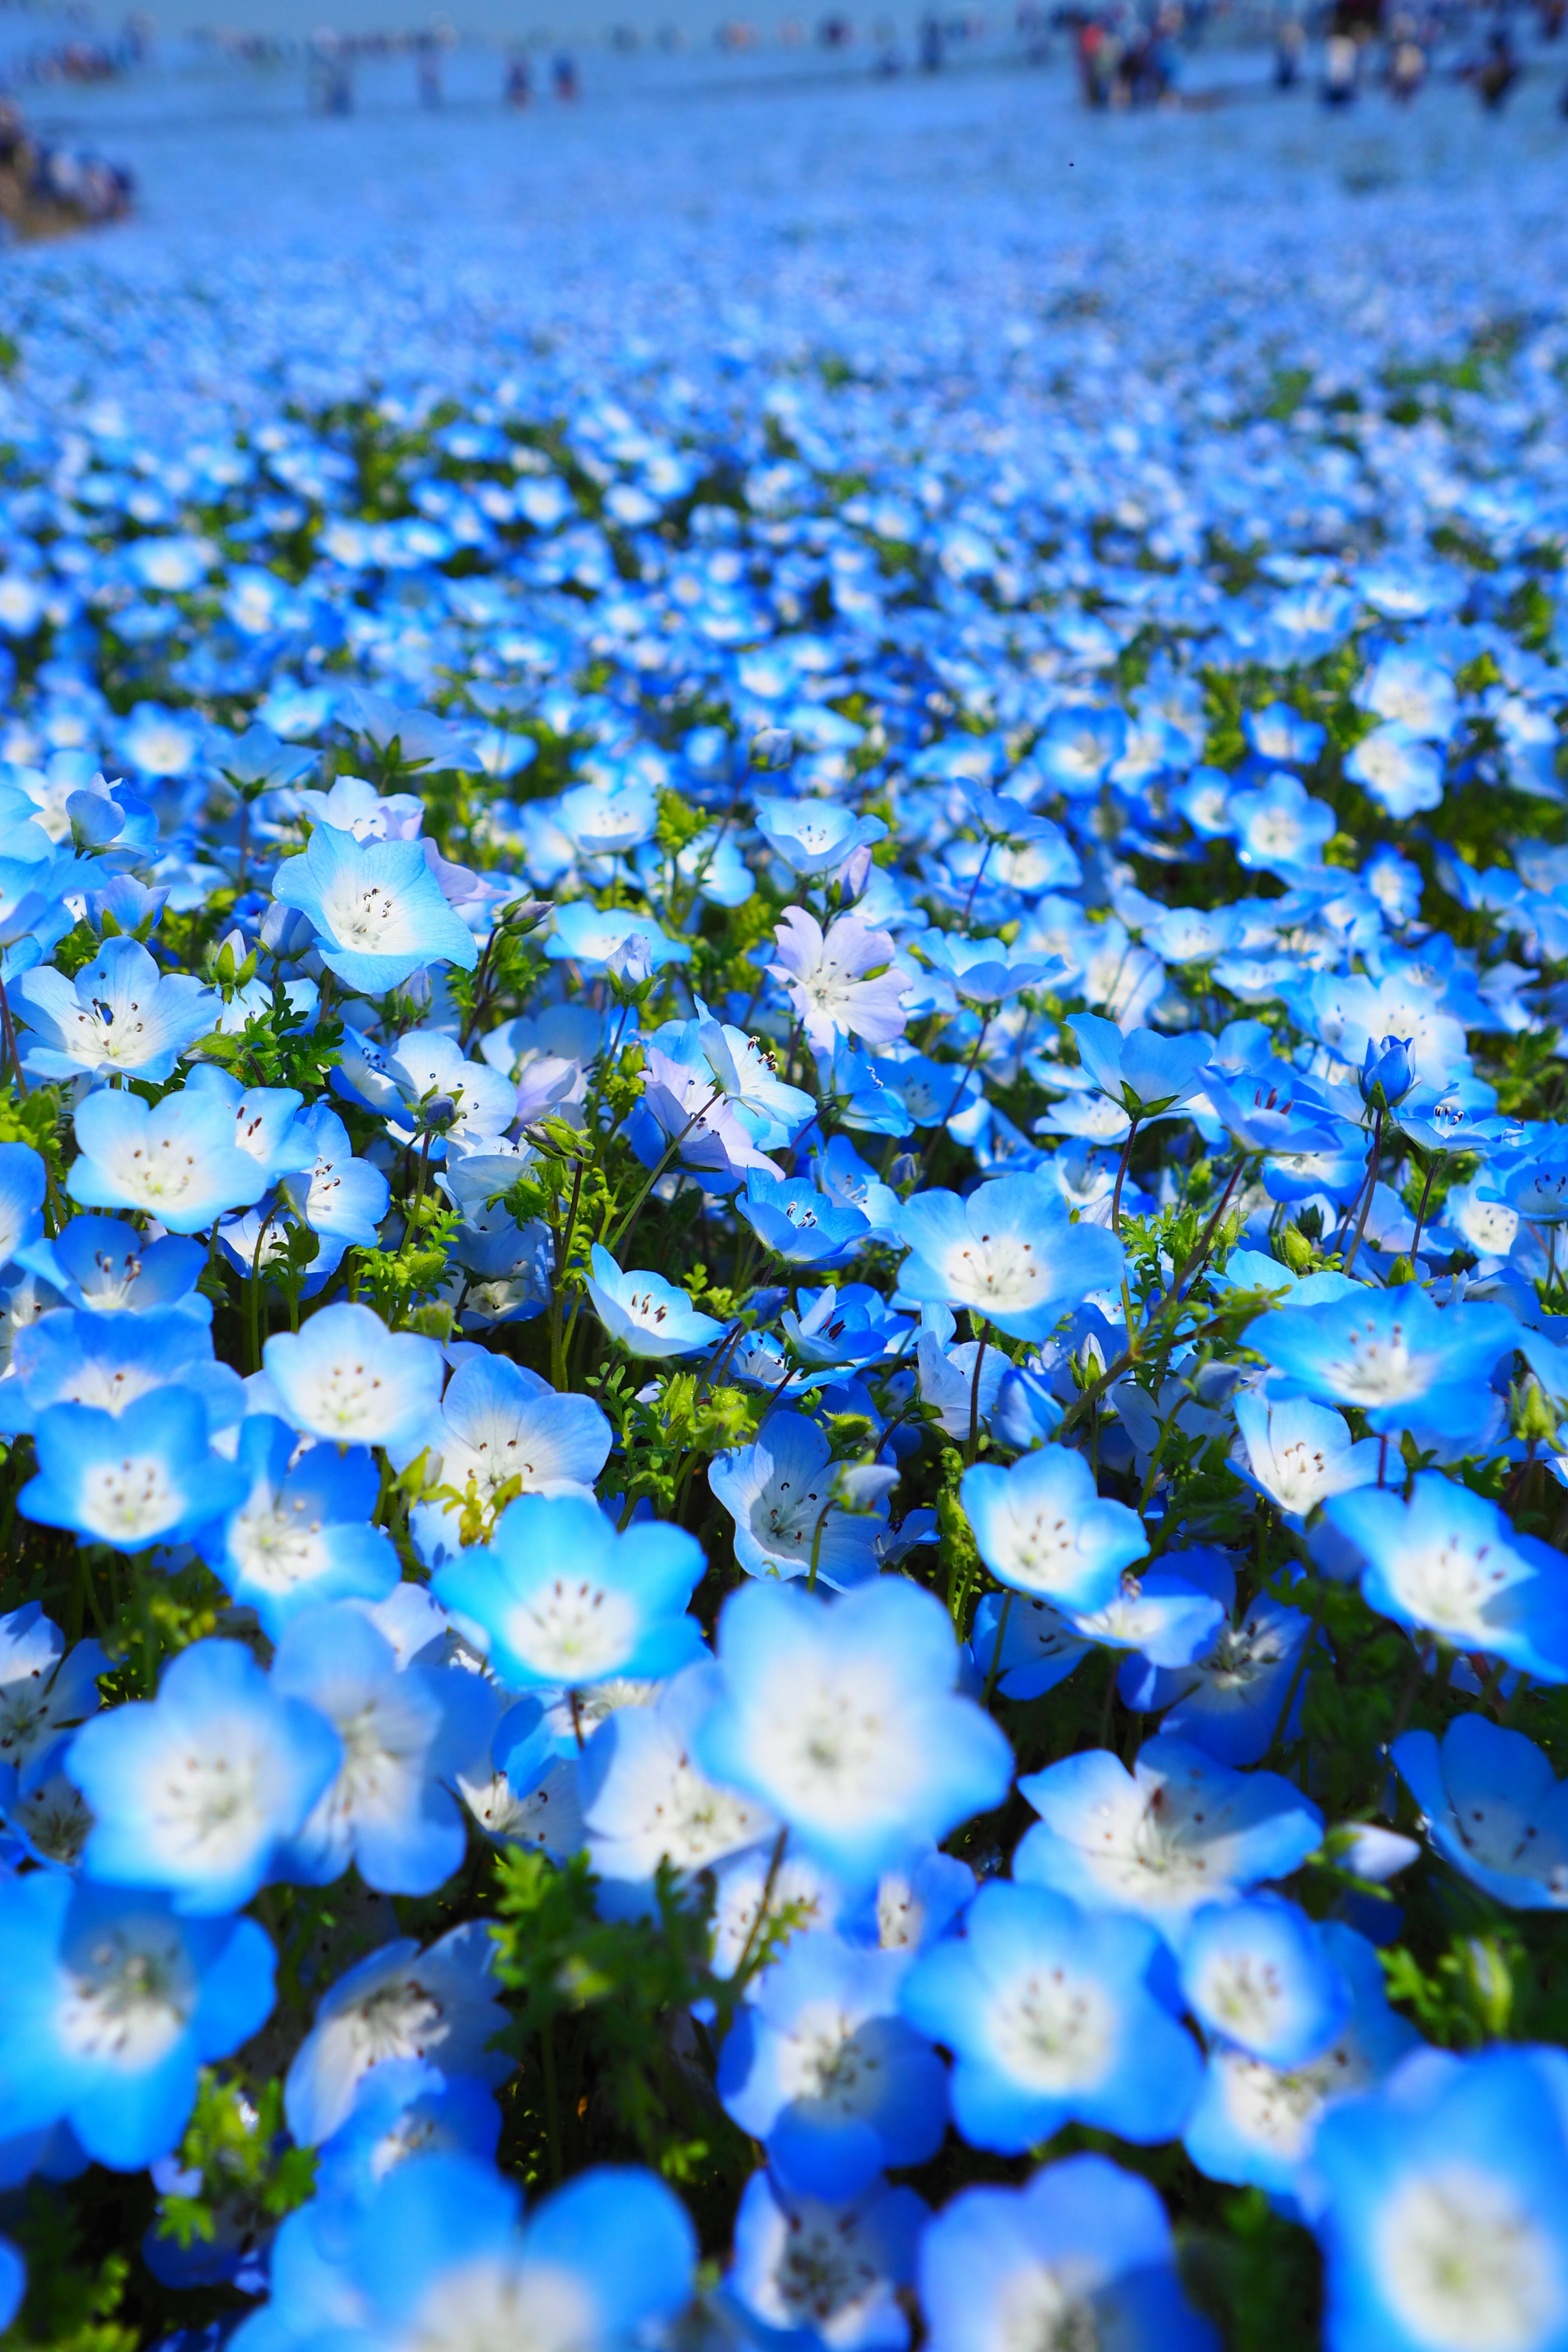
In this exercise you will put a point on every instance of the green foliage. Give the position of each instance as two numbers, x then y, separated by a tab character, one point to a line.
73	2303
247	2171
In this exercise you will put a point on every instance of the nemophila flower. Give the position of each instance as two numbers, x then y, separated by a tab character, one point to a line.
1260	1974
379	912
1030	1644
403	2112
44	1689
110	1361
1280	827
796	1223
129	1479
1168	1616
1492	1806
1179	1831
502	1430
909	1908
1447	1563
441	2005
842	982
175	1161
647	1315
813	836
832	2270
1145	1075
431	1068
1401	770
987	971
851	1324
103	1266
1298	1453
1255	2122
338	1196
1278	732
593	936
644	1798
1406	1362
407	1731
346	1379
265	1123
603	820
110	2003
120	1014
1078	747
842	1718
780	1494
1041	1528
22	1183
1052	2017
301	1533
1007	1254
822	2068
197	1790
442	2256
1082	2255
1444	2209
1228	1698
564	1600
961	1384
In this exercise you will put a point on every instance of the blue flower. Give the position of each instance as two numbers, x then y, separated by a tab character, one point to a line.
1298	1453
175	1161
443	2255
301	1534
593	936
109	2004
1407	1363
649	1316
813	836
987	971
379	912
798	1223
1041	1528
44	1689
1079	746
1227	1698
266	1124
340	1197
1083	2255
113	1360
1403	774
1143	1074
1387	1074
1259	1974
1443	2209
441	2005
403	2110
644	1801
1053	2017
821	2067
197	1790
1008	1254
345	1378
407	1732
502	1430
143	1476
1492	1806
780	1493
1447	1563
842	1718
1280	828
22	1181
120	1014
1177	1832
103	1265
1254	2121
566	1601
828	2273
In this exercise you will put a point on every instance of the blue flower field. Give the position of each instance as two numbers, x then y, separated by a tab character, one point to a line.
784	1371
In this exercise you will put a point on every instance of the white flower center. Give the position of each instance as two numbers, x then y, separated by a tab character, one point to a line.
126	1993
129	1498
1053	2031
574	1629
1467	2267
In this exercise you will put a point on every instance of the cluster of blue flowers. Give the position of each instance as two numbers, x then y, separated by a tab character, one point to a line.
784	1374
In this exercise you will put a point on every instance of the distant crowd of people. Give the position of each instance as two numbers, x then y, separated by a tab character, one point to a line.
1395	43
46	188
334	57
82	58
